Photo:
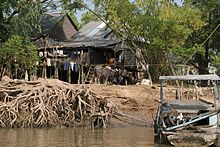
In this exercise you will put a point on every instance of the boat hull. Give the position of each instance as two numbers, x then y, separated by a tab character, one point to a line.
191	138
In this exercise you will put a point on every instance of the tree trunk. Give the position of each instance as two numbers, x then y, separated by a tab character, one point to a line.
79	73
203	63
69	75
56	72
172	69
140	58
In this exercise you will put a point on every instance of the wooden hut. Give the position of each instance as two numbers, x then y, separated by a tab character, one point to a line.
68	53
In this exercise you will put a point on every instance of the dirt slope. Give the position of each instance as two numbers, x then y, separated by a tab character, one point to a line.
136	100
130	98
142	101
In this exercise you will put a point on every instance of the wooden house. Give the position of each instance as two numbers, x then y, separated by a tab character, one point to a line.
64	48
55	28
95	40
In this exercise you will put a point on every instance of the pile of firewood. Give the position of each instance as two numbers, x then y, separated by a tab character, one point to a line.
51	103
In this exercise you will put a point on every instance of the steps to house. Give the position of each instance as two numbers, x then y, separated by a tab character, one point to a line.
90	75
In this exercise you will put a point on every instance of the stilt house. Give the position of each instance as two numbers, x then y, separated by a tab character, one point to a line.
68	53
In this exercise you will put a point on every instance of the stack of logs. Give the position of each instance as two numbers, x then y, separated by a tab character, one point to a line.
51	103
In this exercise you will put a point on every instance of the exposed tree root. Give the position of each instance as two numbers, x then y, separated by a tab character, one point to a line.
50	103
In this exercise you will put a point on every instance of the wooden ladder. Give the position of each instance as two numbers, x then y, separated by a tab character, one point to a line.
90	75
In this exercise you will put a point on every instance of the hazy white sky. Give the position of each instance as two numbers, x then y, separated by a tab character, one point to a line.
179	1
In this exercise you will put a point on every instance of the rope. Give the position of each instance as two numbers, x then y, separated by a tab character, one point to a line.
203	42
129	116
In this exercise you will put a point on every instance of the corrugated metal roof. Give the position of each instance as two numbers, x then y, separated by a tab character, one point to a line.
92	30
90	43
93	34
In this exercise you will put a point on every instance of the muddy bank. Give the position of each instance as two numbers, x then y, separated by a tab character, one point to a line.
52	103
142	101
138	101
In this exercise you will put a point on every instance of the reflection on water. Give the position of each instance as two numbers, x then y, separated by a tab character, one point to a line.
77	137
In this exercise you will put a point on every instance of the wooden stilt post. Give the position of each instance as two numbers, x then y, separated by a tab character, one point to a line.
79	69
69	75
82	75
44	71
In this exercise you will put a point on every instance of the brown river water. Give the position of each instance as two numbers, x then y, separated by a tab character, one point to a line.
78	137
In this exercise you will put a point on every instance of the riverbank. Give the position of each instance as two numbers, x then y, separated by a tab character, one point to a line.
141	101
52	103
138	101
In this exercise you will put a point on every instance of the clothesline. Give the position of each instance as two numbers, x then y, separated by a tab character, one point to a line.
71	65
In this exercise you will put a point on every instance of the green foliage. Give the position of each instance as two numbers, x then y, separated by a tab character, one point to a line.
208	35
27	21
176	24
74	18
19	23
17	51
20	17
72	4
6	10
158	28
87	17
216	61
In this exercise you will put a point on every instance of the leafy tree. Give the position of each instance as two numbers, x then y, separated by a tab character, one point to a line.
87	17
20	17
157	29
17	54
176	24
19	21
207	36
19	24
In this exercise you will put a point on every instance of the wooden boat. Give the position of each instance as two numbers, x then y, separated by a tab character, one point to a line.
192	138
188	121
192	135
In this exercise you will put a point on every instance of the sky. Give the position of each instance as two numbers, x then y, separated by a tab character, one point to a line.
180	2
79	13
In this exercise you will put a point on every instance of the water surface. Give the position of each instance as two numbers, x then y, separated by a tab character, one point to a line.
77	137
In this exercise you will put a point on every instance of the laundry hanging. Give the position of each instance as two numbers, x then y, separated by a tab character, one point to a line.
48	62
76	68
41	54
66	65
72	65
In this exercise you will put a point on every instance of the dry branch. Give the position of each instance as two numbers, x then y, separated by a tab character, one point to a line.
49	103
